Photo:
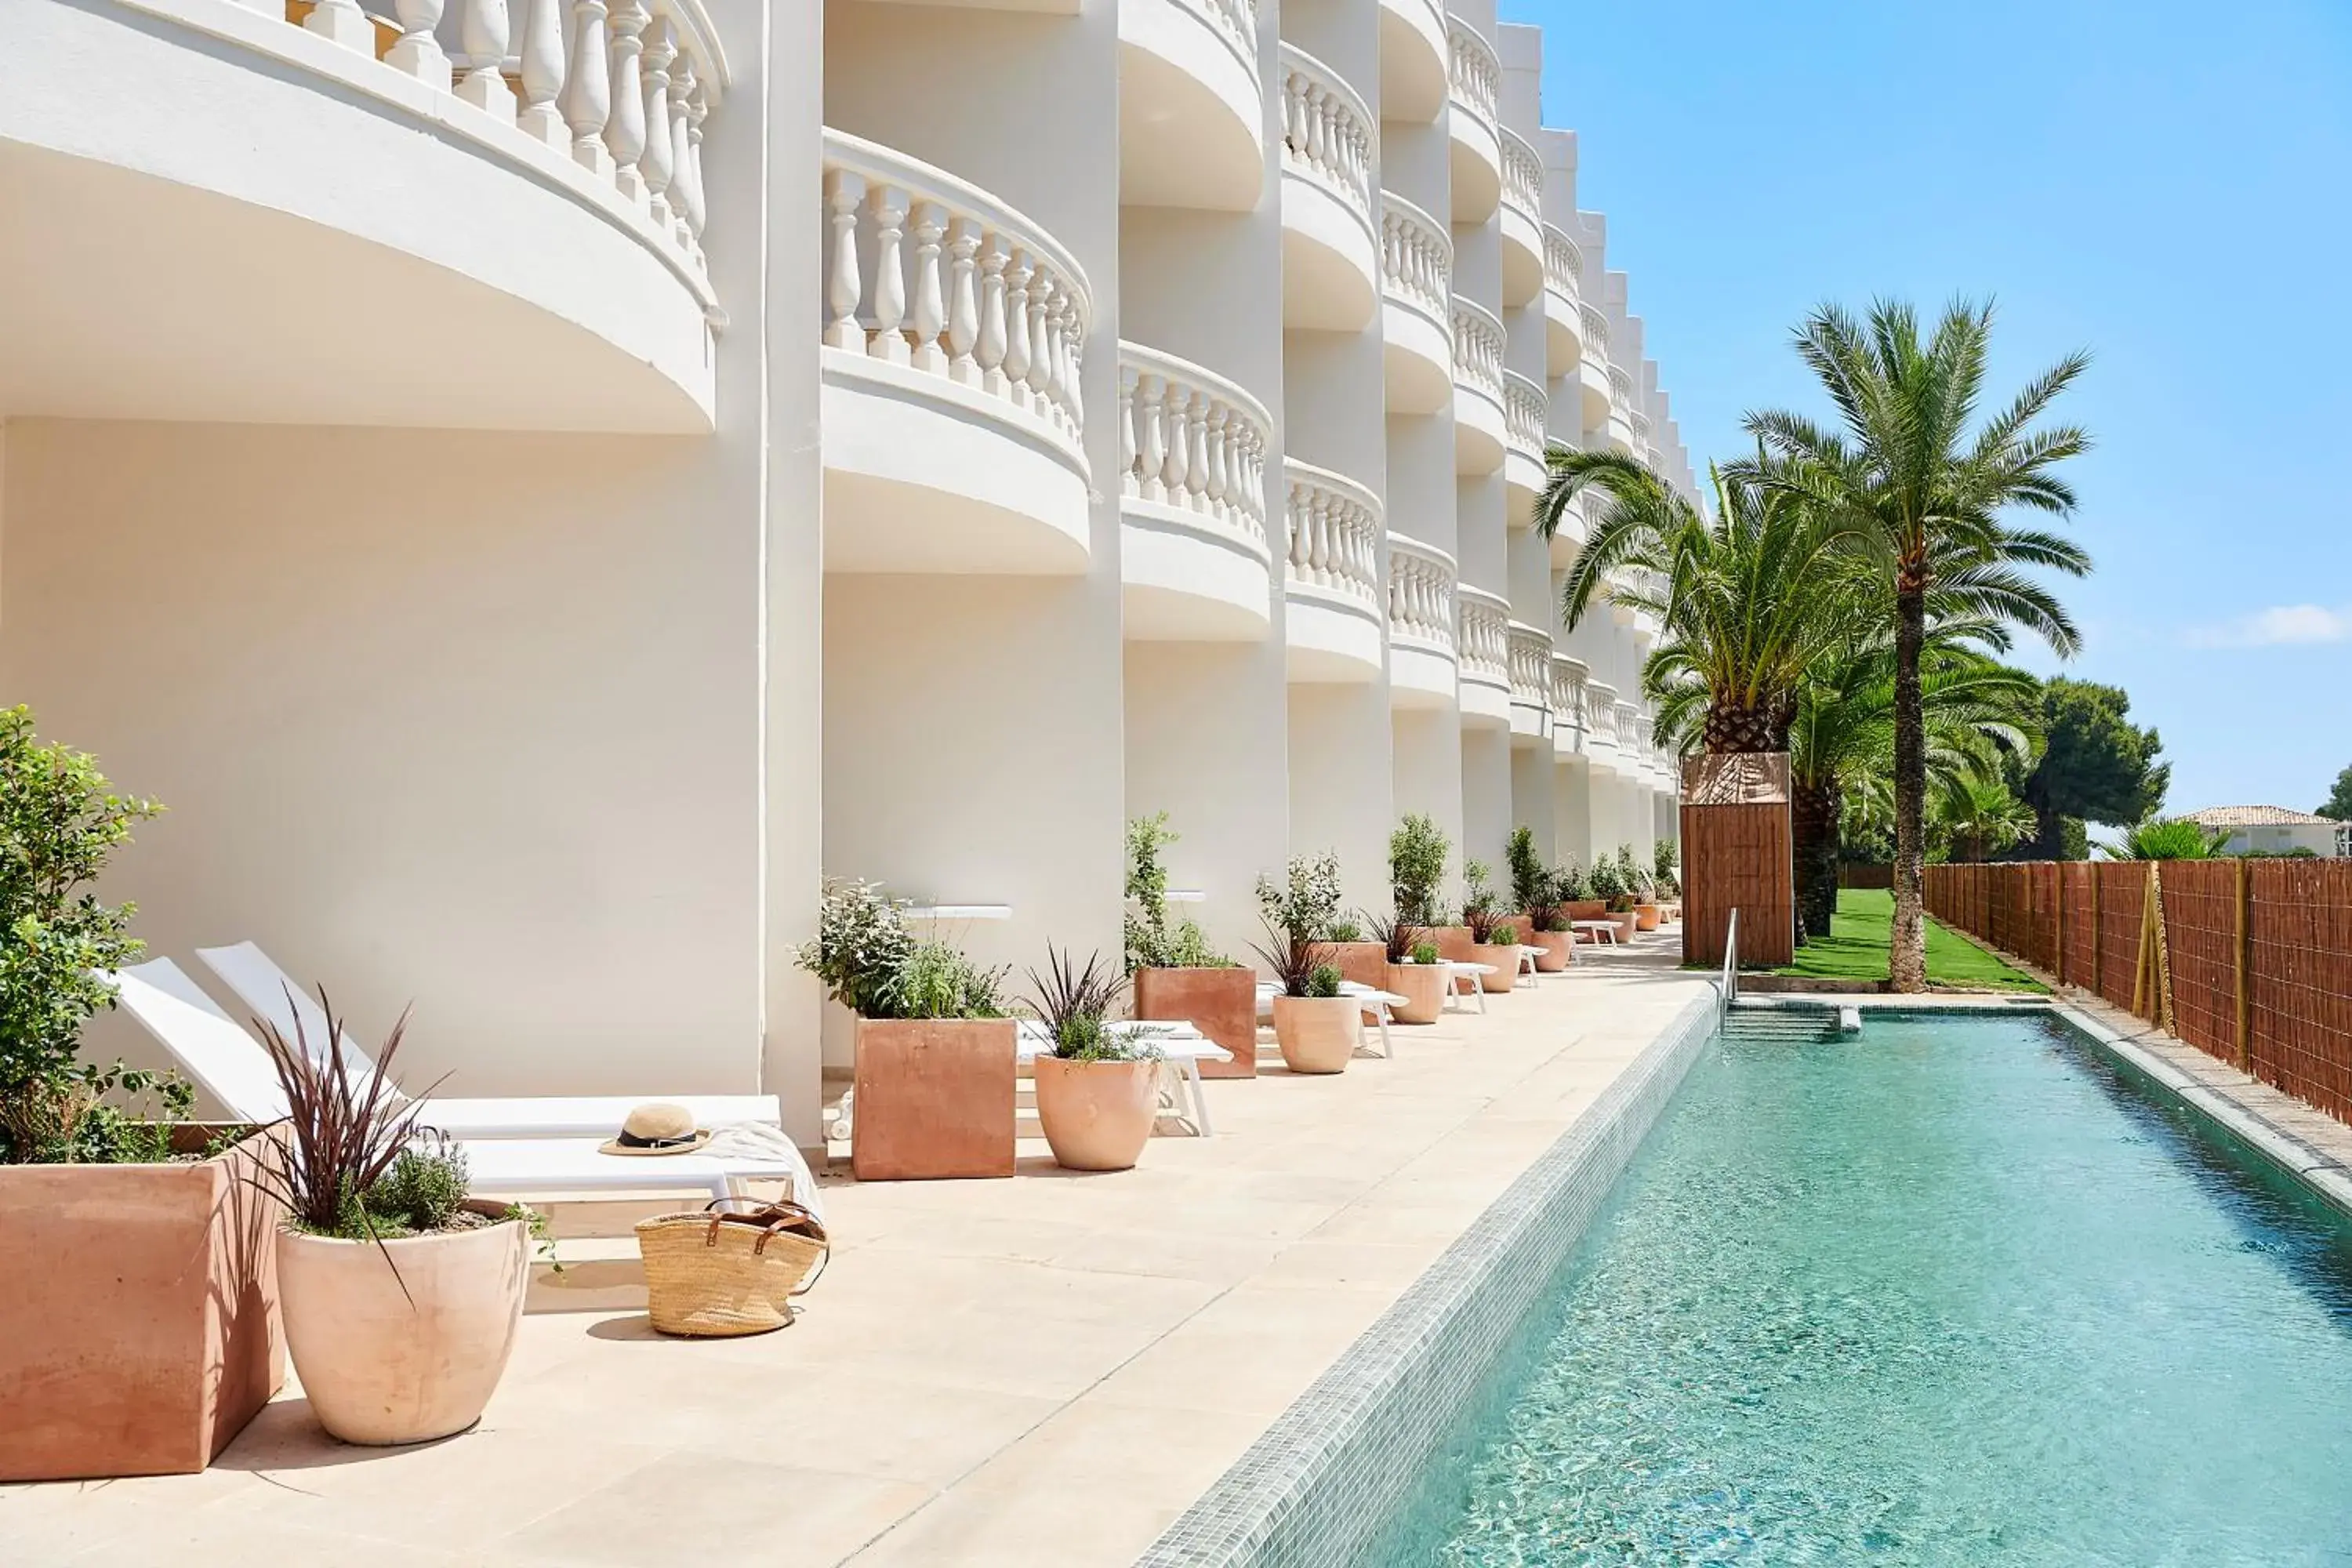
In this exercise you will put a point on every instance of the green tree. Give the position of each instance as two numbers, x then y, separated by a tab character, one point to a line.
2338	804
2164	839
1980	817
1739	599
1924	483
2096	765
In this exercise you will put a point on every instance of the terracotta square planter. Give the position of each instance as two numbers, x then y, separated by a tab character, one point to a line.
935	1099
1453	941
1220	1003
1365	963
1586	910
140	1316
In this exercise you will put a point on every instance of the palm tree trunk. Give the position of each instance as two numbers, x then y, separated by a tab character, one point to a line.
1814	825
1908	957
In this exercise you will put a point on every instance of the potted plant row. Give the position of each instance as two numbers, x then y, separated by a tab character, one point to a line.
1097	1089
1417	856
1493	932
1315	1026
1177	976
1410	969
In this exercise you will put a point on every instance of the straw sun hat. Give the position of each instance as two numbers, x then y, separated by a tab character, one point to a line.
657	1129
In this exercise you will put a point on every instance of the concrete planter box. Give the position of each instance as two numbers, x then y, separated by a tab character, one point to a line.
1220	1003
140	1315
935	1099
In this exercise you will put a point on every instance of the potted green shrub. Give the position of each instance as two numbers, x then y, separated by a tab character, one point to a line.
1494	931
1315	1026
1553	917
1177	975
1410	969
1307	899
1417	856
1643	889
401	1293
140	1311
1609	885
1667	861
1098	1092
933	1090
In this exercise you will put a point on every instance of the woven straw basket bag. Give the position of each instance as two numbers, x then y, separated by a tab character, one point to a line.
715	1273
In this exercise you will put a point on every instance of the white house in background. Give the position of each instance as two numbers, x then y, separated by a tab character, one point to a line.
533	483
2272	830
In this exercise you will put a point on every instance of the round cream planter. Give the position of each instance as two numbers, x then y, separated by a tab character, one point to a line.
1316	1034
1423	987
1096	1115
1502	962
382	1365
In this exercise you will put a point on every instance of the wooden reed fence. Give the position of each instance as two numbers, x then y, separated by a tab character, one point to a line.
2250	961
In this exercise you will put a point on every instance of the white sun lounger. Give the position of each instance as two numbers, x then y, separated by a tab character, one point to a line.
234	1068
1528	956
1181	1046
273	995
1457	972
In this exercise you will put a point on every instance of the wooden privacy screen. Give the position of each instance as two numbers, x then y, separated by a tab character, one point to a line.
1737	855
2250	961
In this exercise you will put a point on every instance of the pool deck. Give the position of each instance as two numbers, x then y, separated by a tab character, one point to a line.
1041	1372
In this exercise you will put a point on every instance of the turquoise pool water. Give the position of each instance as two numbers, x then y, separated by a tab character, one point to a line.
1952	1291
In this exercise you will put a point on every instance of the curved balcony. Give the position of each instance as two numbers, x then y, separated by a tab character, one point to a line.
1190	121
1413	60
1422	670
1529	651
1620	427
1563	299
1483	644
1331	577
1524	472
1632	750
1573	531
1568	698
1416	308
953	331
1473	82
1478	423
1592	365
243	218
1193	562
1522	221
1601	726
1330	252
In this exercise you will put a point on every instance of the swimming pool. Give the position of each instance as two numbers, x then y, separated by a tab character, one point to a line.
1953	1291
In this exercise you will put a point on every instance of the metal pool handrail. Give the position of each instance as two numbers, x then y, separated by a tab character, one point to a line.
1730	963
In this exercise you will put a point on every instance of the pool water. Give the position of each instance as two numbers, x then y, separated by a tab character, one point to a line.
1953	1291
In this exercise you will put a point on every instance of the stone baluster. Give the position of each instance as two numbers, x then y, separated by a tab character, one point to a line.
1127	447
416	52
543	72
624	127
690	165
1152	444
1172	471
996	332
887	341
1053	367
1074	360
684	186
930	294
344	22
483	29
1017	273
964	301
1196	450
844	288
588	89
1044	299
658	163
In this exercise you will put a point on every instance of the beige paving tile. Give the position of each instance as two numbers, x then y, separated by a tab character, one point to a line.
707	1508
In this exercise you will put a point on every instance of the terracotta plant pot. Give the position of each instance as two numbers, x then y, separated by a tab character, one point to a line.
1098	1115
1558	950
1645	917
139	1314
1503	962
410	1356
1316	1034
934	1100
1220	1003
1423	987
1586	910
1365	963
1626	923
1453	941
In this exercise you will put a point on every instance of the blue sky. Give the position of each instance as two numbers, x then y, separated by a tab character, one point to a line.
2167	186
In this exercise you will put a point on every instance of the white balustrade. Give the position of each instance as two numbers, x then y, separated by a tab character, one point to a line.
1567	677
1563	266
1630	731
1621	394
1596	335
1334	532
1190	439
1525	411
1234	21
1483	640
1601	712
1642	434
1477	349
620	87
1529	653
1327	132
1522	175
1416	257
925	272
1475	76
1420	593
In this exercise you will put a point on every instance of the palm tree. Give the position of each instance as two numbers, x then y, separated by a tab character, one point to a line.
1924	485
1981	815
1738	599
2164	839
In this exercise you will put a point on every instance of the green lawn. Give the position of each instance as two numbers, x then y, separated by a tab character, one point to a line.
1856	949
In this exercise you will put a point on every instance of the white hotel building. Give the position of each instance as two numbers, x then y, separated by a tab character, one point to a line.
531	484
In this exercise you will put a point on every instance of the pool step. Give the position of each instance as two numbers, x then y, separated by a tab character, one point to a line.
1793	1026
